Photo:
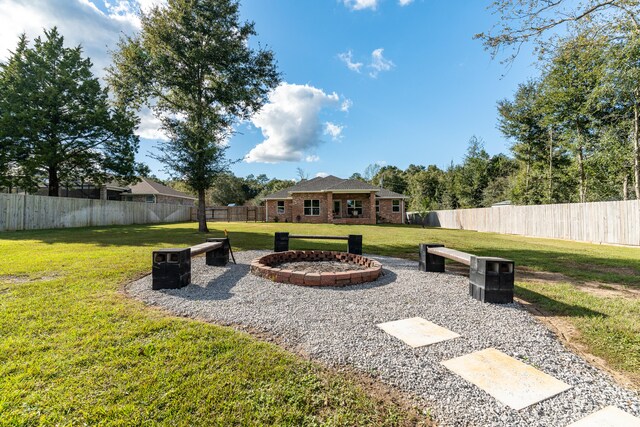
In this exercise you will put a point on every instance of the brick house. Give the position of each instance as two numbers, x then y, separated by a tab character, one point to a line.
335	200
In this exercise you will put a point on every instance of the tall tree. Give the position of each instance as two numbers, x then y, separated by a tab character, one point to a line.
391	178
571	79
525	21
59	120
193	64
473	176
521	121
624	83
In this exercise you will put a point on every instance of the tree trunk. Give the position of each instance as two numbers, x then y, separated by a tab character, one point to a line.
202	214
583	178
636	148
54	183
581	172
550	197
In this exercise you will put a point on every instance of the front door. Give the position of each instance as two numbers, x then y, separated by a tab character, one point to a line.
337	208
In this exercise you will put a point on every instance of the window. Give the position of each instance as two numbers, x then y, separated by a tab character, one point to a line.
354	207
312	207
150	199
280	207
395	205
377	206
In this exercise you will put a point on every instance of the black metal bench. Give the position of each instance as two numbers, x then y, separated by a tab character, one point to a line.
491	279
172	267
354	241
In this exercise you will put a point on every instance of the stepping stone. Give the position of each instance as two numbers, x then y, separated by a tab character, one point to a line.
608	417
510	381
417	332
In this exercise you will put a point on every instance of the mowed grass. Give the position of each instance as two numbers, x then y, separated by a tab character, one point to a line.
75	350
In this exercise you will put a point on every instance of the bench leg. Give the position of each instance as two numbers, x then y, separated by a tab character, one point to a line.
171	268
429	262
491	279
219	257
354	244
281	242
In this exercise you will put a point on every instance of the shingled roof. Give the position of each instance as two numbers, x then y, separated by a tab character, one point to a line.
332	184
148	186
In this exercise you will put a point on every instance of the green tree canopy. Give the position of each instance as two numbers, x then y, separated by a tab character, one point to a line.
193	64
58	120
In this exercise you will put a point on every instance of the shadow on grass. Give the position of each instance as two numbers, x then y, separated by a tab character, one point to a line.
555	307
574	264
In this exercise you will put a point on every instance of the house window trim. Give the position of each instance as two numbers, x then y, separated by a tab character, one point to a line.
355	207
311	208
280	210
394	206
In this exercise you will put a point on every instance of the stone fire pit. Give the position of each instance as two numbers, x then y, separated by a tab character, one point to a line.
316	268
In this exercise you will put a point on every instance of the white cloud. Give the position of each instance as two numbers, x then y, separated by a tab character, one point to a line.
404	2
333	130
379	63
149	127
361	4
322	175
312	158
346	105
347	58
290	123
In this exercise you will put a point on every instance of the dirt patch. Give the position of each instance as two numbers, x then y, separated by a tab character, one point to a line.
625	271
14	280
570	337
607	290
19	280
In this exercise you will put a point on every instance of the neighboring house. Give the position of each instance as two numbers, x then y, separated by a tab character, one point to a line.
336	201
149	191
108	191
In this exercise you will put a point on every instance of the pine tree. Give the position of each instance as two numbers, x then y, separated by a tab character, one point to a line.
59	121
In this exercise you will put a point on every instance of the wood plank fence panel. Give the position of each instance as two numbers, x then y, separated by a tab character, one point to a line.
616	222
28	212
232	213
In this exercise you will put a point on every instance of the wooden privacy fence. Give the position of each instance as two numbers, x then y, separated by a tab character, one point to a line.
232	213
27	212
598	222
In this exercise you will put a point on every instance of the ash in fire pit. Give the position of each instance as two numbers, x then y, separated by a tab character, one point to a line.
319	266
316	268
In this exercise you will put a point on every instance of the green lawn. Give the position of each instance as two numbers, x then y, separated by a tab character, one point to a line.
75	350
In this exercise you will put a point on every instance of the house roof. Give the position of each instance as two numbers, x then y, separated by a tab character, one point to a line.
383	193
332	184
148	186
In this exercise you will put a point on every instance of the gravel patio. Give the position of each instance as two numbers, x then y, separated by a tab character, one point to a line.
337	326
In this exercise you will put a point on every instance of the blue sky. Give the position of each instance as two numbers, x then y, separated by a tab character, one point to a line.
364	81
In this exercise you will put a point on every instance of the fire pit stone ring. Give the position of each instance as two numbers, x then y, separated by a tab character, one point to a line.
281	267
